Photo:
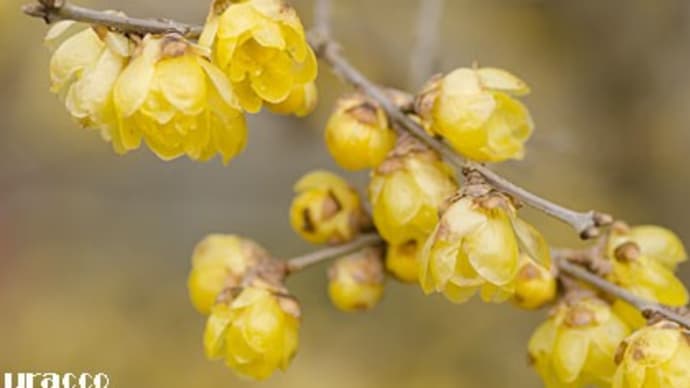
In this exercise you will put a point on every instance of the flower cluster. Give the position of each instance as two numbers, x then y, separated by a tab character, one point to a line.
252	321
584	335
180	97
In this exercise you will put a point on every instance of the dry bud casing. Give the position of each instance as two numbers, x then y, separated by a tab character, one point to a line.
575	347
220	262
656	356
358	134
261	46
256	332
475	112
476	246
407	190
356	281
326	209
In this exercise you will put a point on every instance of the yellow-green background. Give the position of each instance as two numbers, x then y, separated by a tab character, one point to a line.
94	247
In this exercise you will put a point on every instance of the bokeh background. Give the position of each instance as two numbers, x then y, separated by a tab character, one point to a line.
94	247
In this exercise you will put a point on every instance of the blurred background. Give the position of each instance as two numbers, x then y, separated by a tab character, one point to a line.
94	247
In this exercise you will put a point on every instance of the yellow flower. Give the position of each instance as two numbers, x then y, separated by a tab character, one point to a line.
356	280
575	347
473	109
220	261
256	333
407	190
178	102
83	70
648	279
326	209
301	102
535	285
656	356
476	247
402	261
261	46
655	242
357	134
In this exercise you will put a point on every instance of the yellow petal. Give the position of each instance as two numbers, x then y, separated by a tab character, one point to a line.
501	80
492	250
570	354
532	242
182	81
76	53
134	83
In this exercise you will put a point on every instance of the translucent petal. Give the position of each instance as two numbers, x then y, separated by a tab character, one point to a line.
269	34
570	353
76	53
220	82
532	242
214	333
275	81
183	83
56	30
501	80
134	83
492	250
238	19
247	98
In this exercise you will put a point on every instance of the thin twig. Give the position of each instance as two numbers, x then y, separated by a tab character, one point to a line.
118	21
424	59
299	263
585	223
648	308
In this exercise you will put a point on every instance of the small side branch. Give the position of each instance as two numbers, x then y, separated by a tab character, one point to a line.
648	309
299	263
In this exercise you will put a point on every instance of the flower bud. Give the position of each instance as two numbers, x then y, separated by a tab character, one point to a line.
83	71
356	280
301	101
474	111
476	247
407	190
256	333
654	356
535	285
178	102
219	262
654	242
402	261
357	134
575	347
647	279
261	46
326	209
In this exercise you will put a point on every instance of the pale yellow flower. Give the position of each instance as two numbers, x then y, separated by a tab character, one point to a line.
220	261
656	356
476	247
475	112
575	347
326	209
356	280
261	46
255	332
178	102
357	134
